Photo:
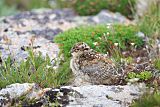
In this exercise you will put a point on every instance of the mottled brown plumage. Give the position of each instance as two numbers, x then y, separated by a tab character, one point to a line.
91	67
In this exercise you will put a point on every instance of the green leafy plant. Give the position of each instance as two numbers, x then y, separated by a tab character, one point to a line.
36	69
125	7
91	7
148	100
132	75
38	4
129	60
63	3
144	75
157	64
24	5
102	38
64	74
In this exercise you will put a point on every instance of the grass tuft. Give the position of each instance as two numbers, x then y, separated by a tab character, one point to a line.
148	100
150	23
36	69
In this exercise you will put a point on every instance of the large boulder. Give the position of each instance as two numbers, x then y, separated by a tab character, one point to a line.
86	96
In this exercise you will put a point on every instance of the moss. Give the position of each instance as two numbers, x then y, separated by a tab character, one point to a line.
144	75
101	37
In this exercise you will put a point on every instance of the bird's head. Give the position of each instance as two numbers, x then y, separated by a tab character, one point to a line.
79	48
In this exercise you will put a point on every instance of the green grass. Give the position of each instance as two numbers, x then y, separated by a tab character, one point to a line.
150	22
148	100
36	69
104	36
34	4
127	7
64	74
157	64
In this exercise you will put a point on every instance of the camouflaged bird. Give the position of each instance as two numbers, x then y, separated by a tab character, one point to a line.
90	67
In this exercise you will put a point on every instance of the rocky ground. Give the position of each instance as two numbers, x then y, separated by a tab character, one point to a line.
37	29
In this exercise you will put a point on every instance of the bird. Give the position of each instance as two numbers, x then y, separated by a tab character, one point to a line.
91	67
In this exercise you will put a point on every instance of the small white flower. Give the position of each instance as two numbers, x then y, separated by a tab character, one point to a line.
115	44
48	66
55	67
133	80
150	59
95	43
54	56
104	34
107	33
132	44
108	24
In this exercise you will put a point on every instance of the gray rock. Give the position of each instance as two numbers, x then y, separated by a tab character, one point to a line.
106	96
12	92
83	96
140	34
16	90
15	45
106	16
